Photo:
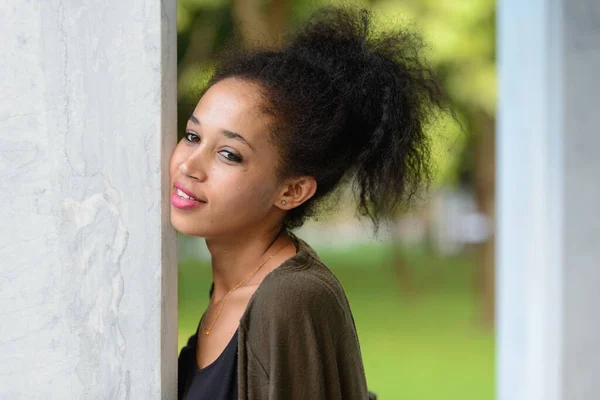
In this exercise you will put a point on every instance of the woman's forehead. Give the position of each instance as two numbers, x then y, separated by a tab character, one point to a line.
233	104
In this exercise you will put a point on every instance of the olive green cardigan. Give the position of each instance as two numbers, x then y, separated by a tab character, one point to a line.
297	339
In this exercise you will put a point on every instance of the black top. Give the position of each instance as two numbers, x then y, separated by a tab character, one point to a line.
217	381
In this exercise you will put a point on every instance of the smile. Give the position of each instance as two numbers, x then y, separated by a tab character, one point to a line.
184	202
185	196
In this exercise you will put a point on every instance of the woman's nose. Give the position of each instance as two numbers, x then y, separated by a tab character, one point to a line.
194	166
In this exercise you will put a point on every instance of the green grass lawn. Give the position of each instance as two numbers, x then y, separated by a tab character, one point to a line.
419	347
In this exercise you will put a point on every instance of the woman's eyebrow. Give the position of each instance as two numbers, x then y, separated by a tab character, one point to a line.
226	133
236	136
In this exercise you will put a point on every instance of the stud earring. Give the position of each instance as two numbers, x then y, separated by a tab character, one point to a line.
283	202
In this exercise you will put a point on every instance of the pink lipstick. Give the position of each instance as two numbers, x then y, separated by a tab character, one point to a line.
183	201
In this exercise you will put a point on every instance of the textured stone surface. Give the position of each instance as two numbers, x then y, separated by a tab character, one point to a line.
88	269
549	193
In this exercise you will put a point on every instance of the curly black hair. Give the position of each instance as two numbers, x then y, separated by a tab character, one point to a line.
350	104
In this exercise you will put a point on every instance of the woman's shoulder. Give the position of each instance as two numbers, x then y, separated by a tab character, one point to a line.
309	287
302	285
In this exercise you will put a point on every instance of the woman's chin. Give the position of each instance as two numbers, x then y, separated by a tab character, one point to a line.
185	228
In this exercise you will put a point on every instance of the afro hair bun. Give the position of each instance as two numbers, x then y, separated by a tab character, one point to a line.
352	103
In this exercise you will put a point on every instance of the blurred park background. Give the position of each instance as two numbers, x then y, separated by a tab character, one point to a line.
422	292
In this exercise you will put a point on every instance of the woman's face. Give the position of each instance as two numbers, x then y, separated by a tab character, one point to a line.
227	162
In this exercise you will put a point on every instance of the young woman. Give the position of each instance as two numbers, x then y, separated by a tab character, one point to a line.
273	134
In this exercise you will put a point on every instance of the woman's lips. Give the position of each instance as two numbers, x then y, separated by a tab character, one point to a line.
182	203
186	191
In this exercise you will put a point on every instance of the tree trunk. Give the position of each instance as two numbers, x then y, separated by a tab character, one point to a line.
261	25
484	184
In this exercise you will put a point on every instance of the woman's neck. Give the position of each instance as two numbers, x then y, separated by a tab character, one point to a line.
234	260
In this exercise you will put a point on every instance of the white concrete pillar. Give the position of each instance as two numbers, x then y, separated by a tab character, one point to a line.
88	269
548	257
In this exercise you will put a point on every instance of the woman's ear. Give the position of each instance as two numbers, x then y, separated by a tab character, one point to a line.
296	191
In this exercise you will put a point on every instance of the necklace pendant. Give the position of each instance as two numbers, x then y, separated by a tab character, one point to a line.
205	332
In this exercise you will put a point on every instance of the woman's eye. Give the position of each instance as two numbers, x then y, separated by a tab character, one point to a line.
191	137
231	156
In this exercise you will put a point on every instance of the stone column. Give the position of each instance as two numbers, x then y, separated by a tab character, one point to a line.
88	269
548	200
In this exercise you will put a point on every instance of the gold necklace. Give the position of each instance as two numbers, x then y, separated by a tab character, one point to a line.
206	332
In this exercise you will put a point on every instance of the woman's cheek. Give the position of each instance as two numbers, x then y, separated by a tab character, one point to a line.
250	192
